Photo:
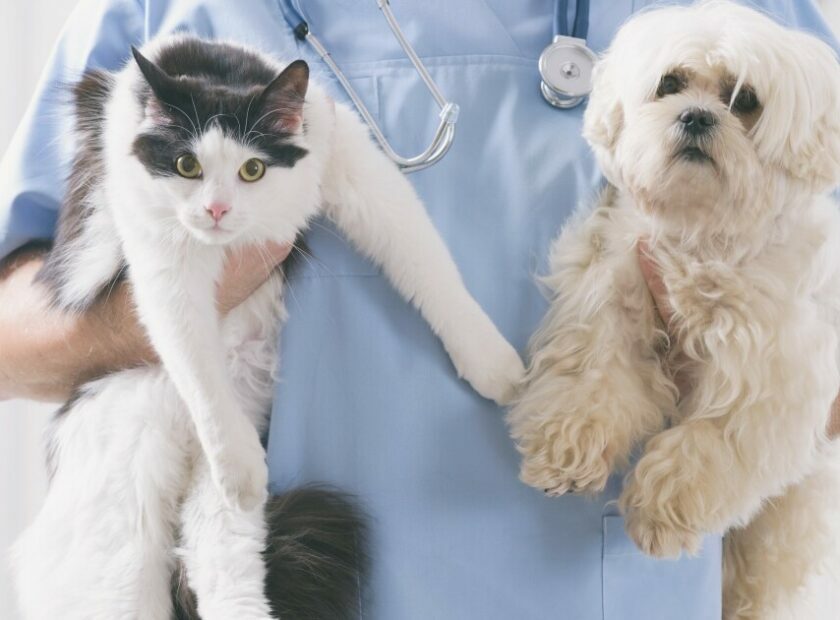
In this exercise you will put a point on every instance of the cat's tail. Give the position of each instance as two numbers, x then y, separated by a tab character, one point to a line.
316	558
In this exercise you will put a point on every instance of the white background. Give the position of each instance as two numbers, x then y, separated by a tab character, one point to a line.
28	29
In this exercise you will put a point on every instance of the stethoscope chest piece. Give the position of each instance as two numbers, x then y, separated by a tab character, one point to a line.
566	70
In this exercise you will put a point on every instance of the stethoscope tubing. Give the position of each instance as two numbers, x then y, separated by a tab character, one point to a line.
445	132
580	29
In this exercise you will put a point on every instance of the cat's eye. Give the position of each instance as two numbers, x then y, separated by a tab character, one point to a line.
746	101
252	170
670	84
188	167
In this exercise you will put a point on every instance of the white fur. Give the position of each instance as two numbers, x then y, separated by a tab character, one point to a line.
147	450
749	250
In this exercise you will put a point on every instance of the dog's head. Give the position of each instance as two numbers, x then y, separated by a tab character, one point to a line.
700	111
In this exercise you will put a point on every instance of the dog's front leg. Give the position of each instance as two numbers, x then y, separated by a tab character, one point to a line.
753	422
595	385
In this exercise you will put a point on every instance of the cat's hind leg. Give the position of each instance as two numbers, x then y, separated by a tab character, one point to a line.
316	557
100	548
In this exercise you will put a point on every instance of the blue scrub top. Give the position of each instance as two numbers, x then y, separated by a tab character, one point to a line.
368	399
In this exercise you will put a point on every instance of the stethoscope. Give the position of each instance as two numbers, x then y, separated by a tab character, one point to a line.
448	111
566	64
565	68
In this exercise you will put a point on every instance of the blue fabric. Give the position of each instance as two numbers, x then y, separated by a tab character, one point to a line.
367	399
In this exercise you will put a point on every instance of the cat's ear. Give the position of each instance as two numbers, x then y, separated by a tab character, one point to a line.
164	86
282	100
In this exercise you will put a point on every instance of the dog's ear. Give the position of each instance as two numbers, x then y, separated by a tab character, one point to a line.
800	124
604	116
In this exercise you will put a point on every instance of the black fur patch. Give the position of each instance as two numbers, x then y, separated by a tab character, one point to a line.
193	85
89	97
51	448
316	556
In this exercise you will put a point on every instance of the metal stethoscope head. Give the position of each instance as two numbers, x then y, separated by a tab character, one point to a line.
445	133
566	64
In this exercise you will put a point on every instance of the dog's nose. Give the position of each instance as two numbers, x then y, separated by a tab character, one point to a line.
697	121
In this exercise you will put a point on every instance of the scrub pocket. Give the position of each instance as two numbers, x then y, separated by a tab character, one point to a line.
638	587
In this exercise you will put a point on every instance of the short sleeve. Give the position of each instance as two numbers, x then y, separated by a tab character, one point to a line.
34	169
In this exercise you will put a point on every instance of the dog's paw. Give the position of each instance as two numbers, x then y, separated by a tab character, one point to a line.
238	467
567	454
658	538
659	514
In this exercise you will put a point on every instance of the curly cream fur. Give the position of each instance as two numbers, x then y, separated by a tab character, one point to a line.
749	250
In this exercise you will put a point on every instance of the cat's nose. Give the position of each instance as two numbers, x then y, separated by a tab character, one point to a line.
217	210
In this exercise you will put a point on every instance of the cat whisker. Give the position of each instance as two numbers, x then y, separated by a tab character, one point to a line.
210	120
260	119
194	132
185	129
287	285
314	261
327	229
116	279
195	109
247	114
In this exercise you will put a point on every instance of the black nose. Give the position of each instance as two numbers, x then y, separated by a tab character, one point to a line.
697	121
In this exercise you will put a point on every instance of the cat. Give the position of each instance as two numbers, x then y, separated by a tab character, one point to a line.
195	148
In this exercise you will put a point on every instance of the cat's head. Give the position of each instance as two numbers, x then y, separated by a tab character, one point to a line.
222	138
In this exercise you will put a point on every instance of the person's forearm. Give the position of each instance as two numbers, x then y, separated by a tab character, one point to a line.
45	353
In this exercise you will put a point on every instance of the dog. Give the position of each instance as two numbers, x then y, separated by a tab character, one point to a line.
718	131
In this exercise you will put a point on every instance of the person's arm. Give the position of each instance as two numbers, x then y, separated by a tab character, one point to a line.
46	353
660	300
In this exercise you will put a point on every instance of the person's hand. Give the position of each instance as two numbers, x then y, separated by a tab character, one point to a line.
246	269
46	353
650	271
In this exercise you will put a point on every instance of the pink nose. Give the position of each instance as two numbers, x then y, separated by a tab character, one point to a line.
217	210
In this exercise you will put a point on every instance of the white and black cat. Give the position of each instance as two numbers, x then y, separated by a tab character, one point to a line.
196	148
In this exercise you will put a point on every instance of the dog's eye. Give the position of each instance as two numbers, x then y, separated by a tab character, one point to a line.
669	85
745	102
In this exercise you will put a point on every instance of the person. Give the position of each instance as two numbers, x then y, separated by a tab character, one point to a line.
367	400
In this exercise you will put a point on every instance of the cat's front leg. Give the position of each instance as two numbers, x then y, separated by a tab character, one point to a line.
595	385
174	290
754	422
222	553
378	210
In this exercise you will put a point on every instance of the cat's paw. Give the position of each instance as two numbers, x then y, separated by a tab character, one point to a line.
239	469
488	362
567	454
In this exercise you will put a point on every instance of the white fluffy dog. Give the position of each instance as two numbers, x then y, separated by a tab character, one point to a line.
719	132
